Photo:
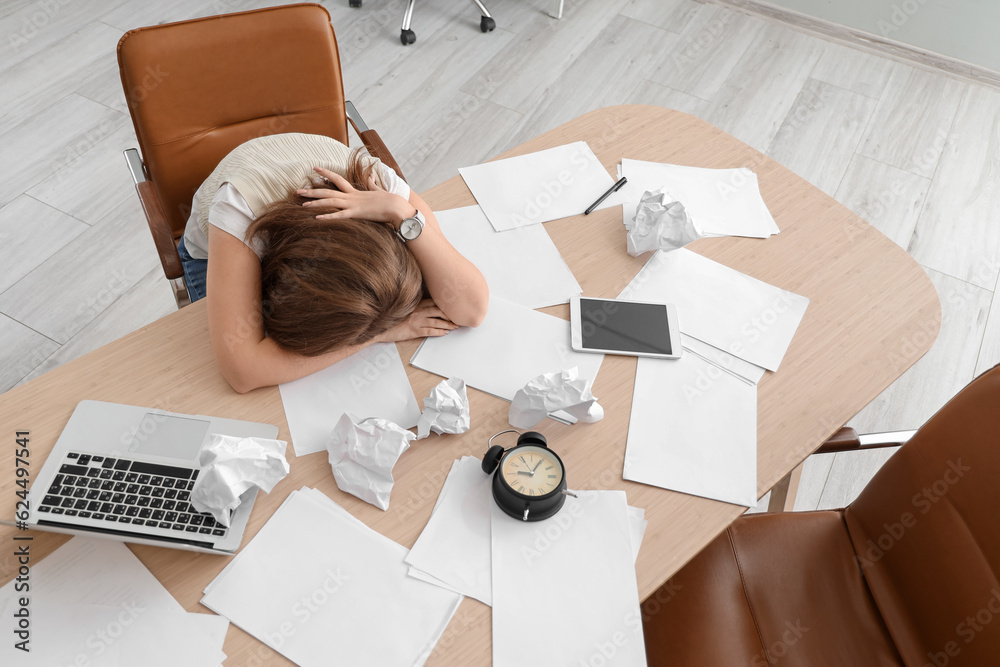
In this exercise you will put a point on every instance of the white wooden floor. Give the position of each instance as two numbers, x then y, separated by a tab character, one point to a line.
913	151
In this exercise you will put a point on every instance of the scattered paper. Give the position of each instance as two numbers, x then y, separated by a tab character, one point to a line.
362	455
521	265
446	410
720	306
552	392
581	562
542	186
693	429
321	588
369	383
530	343
454	548
722	202
727	362
660	223
92	602
230	466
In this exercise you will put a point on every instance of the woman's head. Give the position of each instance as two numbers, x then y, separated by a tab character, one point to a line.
330	284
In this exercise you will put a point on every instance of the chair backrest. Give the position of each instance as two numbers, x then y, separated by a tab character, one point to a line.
927	532
197	89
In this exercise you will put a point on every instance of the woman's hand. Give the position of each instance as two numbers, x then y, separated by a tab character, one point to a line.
373	204
426	320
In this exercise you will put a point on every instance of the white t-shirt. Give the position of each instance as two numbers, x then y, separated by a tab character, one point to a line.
230	213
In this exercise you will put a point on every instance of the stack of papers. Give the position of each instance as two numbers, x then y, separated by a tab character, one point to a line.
369	383
721	307
693	426
92	602
528	342
722	202
564	589
455	546
538	187
321	588
693	429
522	265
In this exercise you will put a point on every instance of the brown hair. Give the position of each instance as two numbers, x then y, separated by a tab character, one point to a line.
330	284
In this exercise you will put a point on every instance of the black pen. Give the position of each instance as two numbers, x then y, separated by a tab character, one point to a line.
614	188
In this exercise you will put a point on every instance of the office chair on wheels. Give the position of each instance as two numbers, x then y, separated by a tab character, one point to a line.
907	575
197	89
407	36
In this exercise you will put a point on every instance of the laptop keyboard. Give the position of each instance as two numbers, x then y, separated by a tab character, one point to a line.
123	491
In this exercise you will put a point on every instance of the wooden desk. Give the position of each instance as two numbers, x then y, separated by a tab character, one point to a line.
872	314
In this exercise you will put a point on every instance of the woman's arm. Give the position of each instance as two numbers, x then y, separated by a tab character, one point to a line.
246	357
455	284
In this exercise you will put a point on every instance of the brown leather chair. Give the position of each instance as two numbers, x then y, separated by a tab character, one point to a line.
197	89
908	574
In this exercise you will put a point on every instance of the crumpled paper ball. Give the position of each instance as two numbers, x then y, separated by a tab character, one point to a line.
661	223
362	454
552	392
446	409
229	466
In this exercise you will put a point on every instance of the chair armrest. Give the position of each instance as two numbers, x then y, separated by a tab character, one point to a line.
163	238
845	440
376	147
848	440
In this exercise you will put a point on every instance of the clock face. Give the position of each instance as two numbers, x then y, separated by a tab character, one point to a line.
531	471
410	229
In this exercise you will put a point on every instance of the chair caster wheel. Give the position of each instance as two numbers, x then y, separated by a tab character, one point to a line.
355	3
486	24
407	37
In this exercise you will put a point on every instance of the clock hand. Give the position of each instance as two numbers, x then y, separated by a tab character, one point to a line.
536	467
525	472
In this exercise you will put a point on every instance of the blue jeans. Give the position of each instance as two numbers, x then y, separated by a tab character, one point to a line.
195	273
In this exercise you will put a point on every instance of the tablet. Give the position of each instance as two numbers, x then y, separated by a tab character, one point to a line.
635	328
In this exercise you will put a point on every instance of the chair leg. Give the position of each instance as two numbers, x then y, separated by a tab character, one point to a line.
486	23
181	295
783	493
407	36
556	9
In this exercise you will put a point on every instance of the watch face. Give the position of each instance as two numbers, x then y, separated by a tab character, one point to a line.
410	229
531	471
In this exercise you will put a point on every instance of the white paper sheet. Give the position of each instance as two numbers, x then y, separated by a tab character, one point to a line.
579	567
455	544
661	223
721	306
363	454
722	202
693	429
538	187
93	602
446	409
551	393
521	265
232	465
724	360
318	585
454	548
513	345
369	383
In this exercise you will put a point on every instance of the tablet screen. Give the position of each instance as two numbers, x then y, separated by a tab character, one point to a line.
624	326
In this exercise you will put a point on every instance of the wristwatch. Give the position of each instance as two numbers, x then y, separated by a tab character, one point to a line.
410	228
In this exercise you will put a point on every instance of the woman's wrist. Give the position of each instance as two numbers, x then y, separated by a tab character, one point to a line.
402	210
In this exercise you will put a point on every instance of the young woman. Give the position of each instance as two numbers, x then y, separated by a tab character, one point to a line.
300	274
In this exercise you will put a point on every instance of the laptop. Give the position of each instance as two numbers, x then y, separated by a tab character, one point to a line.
126	473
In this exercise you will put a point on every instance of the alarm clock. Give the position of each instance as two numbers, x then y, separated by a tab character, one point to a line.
529	482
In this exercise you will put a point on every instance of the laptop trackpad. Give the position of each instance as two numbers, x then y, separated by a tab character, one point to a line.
174	437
